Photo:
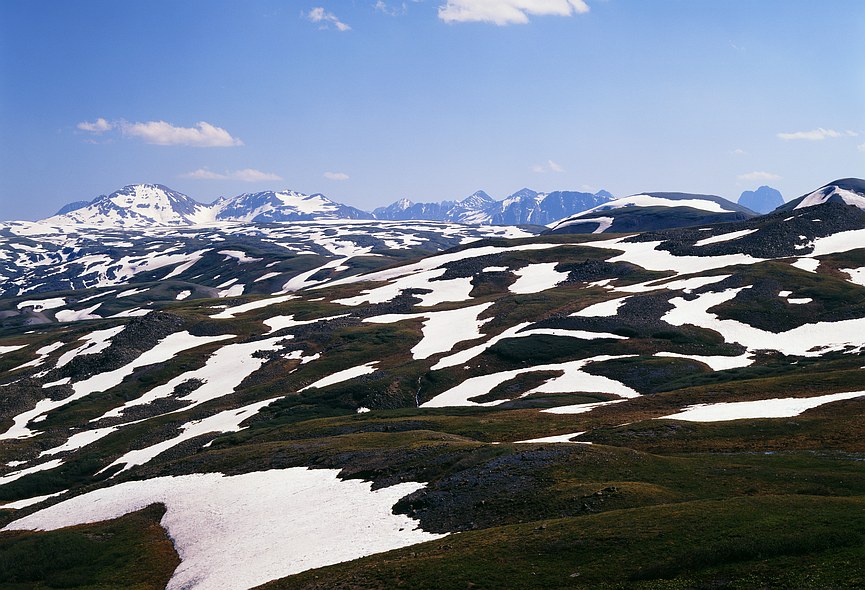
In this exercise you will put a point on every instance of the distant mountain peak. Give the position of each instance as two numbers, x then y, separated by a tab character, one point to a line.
762	200
284	205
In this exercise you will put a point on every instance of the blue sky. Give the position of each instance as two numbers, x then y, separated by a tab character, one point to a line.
370	101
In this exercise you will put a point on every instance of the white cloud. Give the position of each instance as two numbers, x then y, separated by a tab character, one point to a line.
161	133
246	175
325	19
739	152
549	166
861	147
506	12
253	175
100	125
758	176
818	134
336	176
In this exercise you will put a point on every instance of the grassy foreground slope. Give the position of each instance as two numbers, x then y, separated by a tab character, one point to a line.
652	502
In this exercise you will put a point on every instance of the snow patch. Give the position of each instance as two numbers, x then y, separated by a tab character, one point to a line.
538	277
808	264
68	315
560	438
230	312
344	375
764	408
725	237
442	330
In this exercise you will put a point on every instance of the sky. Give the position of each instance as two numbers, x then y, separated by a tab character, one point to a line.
370	101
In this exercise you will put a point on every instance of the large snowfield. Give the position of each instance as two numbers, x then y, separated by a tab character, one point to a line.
236	532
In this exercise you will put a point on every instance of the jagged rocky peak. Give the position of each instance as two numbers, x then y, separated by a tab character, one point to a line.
762	200
477	199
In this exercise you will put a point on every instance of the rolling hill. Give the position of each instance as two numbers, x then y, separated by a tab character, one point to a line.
437	406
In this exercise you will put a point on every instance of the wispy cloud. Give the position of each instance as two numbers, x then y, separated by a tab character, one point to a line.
162	133
385	8
98	126
246	175
326	19
861	147
739	152
548	166
758	176
339	176
818	134
507	12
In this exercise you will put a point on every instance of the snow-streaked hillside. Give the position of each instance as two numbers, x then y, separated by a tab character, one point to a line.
216	260
849	191
652	211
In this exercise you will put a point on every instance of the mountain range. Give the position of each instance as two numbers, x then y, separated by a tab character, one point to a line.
373	404
145	205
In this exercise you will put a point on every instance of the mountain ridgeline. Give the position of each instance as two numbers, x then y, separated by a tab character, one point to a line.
523	207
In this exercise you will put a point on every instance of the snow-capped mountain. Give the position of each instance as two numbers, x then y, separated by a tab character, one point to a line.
523	207
136	205
271	206
653	211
